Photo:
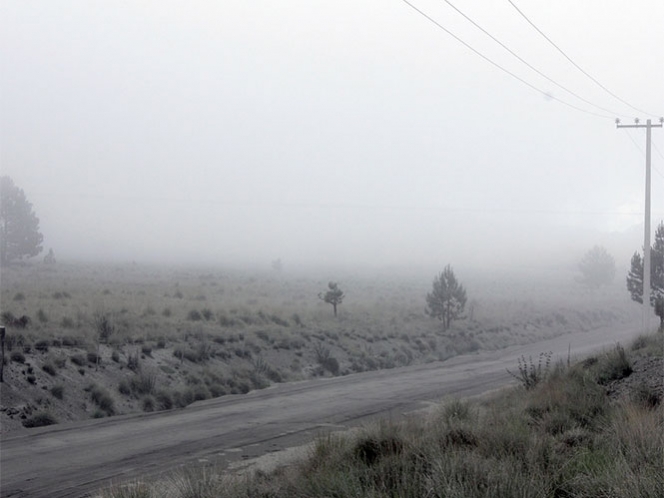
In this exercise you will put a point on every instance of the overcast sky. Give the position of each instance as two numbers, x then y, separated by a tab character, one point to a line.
330	132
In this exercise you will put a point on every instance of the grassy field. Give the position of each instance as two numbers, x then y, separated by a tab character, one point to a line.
591	429
93	341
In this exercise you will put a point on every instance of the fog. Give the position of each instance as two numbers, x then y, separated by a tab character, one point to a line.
330	134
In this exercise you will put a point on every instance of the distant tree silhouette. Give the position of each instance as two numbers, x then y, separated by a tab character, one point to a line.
597	267
19	225
49	259
447	299
334	296
635	276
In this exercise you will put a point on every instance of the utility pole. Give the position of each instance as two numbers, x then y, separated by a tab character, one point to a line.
646	239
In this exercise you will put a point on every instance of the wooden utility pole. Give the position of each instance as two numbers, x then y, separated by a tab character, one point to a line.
2	349
646	239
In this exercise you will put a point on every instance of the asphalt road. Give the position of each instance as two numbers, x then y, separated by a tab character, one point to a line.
72	460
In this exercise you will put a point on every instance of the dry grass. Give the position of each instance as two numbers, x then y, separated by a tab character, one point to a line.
560	438
237	331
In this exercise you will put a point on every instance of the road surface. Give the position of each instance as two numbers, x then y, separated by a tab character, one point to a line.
71	460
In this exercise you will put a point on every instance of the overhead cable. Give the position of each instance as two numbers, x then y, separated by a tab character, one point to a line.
575	64
550	80
477	52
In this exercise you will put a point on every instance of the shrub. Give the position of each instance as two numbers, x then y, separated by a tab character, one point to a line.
58	391
124	387
115	356
19	296
297	320
615	367
102	399
194	315
41	316
93	357
78	359
207	314
279	321
14	340
67	323
148	403
133	362
143	383
371	449
530	374
49	368
456	410
149	311
42	345
40	419
70	341
146	349
324	358
17	356
12	321
164	400
166	312
225	321
7	317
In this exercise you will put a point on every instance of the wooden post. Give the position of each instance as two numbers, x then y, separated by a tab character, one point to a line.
2	352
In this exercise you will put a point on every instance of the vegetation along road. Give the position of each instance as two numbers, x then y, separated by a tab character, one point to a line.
76	459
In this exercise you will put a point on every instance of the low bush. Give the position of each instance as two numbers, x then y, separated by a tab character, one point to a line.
78	359
70	341
134	362
42	316
42	345
143	383
58	391
17	356
612	365
530	374
49	368
148	403
164	400
10	320
40	419
102	398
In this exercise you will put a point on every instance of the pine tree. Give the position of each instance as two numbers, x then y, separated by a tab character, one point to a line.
448	298
19	225
334	296
635	276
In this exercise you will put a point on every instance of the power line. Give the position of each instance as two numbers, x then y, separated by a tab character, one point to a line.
495	64
629	135
333	205
575	64
551	80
